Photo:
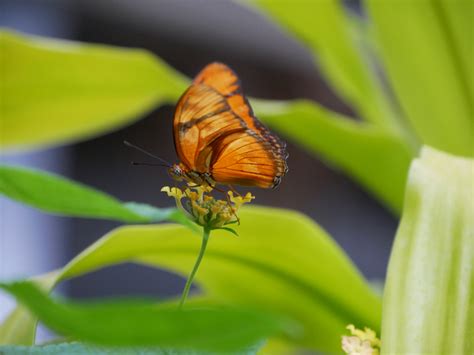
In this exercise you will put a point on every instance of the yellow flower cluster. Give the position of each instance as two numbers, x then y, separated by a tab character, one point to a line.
361	342
204	209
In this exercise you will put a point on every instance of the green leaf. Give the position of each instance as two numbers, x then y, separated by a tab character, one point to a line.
230	230
144	323
430	66
282	263
153	214
428	298
276	249
329	32
376	158
87	349
20	326
75	91
457	17
54	194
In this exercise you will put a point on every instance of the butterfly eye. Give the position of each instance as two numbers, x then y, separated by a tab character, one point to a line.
176	172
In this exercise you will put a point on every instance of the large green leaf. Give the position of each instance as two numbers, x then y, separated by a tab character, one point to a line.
328	31
57	91
281	263
457	17
54	194
426	53
428	298
144	323
376	158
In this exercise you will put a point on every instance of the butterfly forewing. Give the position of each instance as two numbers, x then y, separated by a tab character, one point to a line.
224	80
216	132
202	115
219	77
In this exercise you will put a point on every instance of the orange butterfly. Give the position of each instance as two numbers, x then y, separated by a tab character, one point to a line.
219	140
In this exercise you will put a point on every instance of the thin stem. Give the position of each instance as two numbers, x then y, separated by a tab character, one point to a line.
187	287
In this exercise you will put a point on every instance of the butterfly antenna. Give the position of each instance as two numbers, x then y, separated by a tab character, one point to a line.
165	163
148	164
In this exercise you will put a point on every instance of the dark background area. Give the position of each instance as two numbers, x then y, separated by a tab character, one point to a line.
188	35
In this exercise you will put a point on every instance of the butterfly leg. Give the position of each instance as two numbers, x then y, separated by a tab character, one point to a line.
230	206
234	190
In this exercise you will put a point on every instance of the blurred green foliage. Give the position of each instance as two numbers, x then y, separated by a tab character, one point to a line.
426	48
55	92
282	263
377	158
54	194
329	34
129	322
322	297
429	65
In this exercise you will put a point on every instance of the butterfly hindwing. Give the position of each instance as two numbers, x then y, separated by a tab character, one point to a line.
244	158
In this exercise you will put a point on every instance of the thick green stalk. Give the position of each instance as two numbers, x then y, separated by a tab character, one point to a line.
428	299
187	287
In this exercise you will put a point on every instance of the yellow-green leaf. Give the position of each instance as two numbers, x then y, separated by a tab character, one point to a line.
376	158
324	26
56	91
282	263
55	194
426	55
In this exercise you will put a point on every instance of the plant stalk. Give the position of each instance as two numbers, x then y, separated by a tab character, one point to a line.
187	287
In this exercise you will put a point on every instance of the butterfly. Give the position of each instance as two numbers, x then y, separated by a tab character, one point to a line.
219	140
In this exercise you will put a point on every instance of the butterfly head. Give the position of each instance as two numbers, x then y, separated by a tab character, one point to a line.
177	172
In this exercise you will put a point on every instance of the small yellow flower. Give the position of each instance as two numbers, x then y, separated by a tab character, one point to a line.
174	192
192	195
362	342
238	201
204	209
355	346
216	208
200	213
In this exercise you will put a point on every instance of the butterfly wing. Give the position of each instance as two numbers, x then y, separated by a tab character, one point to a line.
219	77
215	131
245	158
224	80
201	116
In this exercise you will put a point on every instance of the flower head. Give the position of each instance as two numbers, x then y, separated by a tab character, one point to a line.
204	209
361	342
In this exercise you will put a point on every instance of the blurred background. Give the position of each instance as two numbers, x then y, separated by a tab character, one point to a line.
188	35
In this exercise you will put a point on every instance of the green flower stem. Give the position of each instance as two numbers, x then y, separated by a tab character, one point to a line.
187	287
